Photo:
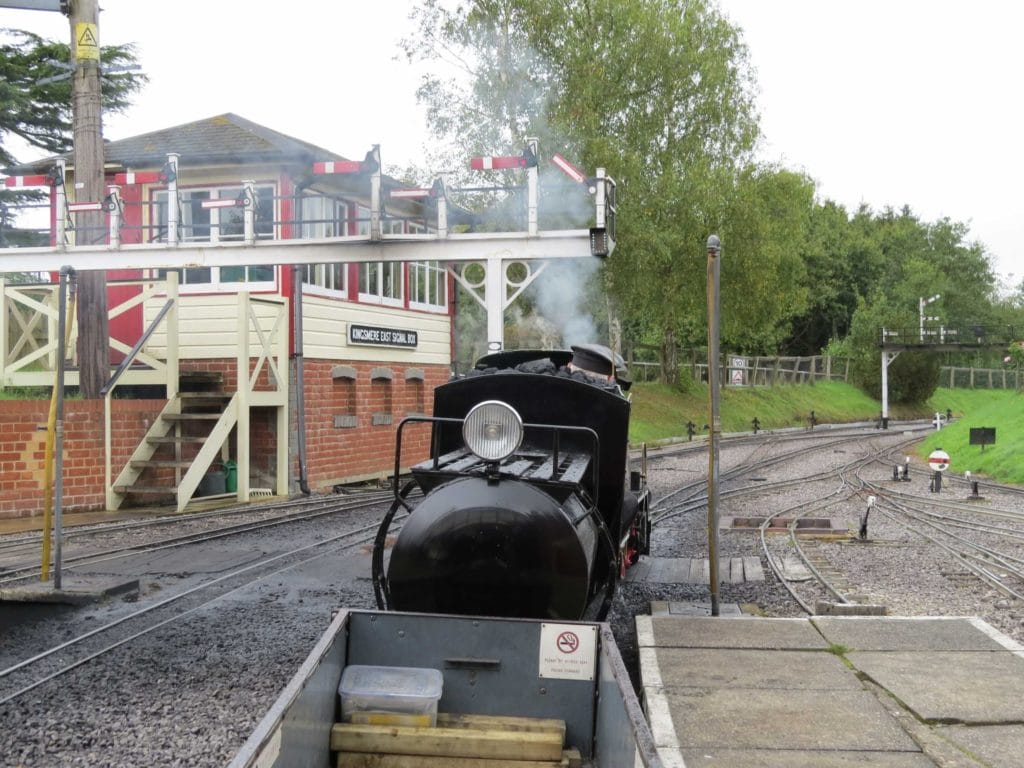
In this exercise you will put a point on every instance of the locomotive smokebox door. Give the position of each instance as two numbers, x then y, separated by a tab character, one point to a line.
494	550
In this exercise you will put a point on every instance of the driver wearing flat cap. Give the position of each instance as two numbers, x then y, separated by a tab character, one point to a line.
599	363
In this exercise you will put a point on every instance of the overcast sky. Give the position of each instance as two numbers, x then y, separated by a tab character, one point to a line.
886	102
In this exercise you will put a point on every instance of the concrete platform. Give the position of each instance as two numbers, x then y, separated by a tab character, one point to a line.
75	590
832	691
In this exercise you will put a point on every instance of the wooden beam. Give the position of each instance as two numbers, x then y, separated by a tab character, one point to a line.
366	760
502	723
447	742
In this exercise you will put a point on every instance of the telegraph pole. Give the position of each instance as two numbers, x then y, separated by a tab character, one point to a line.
93	355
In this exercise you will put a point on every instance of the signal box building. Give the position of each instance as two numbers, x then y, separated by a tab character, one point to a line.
255	376
275	310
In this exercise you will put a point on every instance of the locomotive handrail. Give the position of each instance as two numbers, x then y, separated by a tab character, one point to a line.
380	581
556	430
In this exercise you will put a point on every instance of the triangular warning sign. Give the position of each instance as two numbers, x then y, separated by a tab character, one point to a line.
87	38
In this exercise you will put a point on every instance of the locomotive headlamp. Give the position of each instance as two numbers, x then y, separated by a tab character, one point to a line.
492	430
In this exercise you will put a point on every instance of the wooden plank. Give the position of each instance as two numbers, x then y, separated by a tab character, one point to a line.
736	570
367	760
705	571
695	571
502	723
752	570
447	742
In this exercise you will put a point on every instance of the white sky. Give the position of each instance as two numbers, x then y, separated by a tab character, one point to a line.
897	102
887	102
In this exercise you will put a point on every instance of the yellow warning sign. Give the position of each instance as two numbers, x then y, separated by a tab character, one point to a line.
87	41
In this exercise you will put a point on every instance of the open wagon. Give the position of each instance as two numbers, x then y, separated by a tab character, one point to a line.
517	693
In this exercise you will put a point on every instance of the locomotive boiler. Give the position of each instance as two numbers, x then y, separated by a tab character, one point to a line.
526	510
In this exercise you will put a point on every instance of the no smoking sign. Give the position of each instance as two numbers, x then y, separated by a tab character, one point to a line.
568	651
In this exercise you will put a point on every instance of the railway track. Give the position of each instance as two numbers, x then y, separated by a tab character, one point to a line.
81	550
958	531
23	677
184	683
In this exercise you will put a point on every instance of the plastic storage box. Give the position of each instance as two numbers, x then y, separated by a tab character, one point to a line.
390	695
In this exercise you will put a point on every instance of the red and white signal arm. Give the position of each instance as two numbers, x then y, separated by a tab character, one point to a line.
938	460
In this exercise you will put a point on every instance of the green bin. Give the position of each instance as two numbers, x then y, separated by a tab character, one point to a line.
230	477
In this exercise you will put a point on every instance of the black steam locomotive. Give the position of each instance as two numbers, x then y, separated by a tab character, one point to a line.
526	510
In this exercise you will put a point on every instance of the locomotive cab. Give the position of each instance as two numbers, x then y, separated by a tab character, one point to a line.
525	510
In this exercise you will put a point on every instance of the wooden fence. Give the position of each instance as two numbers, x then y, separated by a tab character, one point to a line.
980	378
738	370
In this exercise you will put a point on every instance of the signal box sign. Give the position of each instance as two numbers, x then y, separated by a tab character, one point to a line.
938	460
568	651
382	337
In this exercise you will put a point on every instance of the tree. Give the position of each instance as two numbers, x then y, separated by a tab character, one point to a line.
763	271
40	114
912	376
659	92
831	256
486	86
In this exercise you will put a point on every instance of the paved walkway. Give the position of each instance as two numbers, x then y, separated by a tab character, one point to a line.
741	691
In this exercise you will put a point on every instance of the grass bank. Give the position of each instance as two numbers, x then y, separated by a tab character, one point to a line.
661	413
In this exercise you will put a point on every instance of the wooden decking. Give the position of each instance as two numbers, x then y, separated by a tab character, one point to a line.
694	570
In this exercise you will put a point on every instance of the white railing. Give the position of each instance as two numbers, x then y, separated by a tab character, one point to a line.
29	335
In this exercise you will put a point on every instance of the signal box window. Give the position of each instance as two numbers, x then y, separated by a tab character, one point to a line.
199	224
380	282
325	217
428	286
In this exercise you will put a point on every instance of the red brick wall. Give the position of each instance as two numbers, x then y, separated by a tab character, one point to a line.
23	450
336	454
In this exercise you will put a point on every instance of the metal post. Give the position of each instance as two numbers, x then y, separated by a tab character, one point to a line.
114	205
714	270
249	211
494	298
172	200
532	191
300	387
375	200
442	209
61	206
922	303
600	200
58	487
885	386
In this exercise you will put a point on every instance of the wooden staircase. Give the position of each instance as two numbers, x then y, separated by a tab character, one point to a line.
188	437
